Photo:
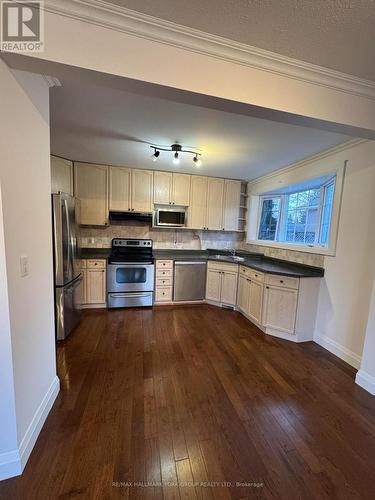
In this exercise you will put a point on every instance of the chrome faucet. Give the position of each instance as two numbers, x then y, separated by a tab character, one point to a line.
232	251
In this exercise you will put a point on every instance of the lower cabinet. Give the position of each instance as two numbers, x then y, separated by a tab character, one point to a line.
94	282
250	297
281	306
164	281
221	285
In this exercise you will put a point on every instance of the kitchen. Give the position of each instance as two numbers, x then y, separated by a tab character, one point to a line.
197	237
133	272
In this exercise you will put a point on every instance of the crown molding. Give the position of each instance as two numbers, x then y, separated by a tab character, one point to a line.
52	81
101	13
309	160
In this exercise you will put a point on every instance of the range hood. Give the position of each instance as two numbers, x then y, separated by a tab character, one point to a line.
120	217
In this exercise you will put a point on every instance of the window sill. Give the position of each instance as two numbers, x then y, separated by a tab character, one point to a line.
295	248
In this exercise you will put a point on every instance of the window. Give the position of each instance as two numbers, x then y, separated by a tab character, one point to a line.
299	217
269	218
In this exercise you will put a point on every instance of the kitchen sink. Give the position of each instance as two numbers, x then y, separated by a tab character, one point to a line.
229	258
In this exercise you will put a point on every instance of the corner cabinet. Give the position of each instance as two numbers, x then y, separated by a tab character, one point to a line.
281	306
221	285
91	187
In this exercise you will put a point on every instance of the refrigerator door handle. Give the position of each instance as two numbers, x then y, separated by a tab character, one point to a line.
69	263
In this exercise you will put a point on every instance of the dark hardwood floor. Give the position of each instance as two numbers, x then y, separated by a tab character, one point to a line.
196	403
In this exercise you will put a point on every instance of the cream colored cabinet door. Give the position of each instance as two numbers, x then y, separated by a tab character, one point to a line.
279	310
83	286
142	190
215	194
198	202
61	175
243	294
213	285
163	188
91	187
232	190
228	288
181	190
120	189
255	301
95	286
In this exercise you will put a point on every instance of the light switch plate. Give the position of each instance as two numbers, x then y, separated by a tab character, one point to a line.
24	263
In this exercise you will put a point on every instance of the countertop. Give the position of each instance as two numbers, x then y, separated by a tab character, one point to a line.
254	260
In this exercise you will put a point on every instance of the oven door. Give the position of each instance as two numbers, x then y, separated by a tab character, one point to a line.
132	277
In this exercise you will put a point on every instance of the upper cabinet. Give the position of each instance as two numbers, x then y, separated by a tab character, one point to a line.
171	188
198	203
61	175
214	203
232	195
181	190
91	187
163	188
142	184
130	189
215	196
120	189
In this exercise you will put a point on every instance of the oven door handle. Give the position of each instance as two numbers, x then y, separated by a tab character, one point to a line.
131	264
128	294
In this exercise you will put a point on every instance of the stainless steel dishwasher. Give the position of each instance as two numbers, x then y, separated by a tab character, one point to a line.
189	280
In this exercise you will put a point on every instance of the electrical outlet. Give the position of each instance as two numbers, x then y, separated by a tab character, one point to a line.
24	264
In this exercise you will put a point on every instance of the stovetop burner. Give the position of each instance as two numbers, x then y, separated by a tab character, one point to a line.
131	250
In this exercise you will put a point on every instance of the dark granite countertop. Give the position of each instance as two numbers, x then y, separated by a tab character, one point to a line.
254	260
94	253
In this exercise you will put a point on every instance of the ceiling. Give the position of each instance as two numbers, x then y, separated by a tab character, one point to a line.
337	34
110	126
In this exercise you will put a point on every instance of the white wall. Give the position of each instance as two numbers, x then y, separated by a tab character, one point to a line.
9	457
366	375
25	184
116	44
345	291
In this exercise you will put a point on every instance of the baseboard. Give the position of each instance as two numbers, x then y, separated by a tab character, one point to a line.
32	433
13	462
339	350
366	381
10	464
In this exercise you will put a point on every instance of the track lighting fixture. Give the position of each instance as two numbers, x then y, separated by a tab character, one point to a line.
176	159
177	148
156	155
197	161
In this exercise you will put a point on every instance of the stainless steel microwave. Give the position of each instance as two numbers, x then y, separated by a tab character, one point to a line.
170	217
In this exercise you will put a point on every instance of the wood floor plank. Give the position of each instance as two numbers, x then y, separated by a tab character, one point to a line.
195	402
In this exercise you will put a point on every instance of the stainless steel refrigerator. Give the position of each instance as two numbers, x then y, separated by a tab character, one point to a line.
68	278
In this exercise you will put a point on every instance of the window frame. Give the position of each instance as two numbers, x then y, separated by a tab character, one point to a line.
263	199
288	177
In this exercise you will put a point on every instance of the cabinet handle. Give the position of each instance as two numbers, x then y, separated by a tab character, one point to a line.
281	281
173	203
267	286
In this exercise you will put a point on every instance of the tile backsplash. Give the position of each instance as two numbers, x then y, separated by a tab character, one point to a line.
309	259
93	237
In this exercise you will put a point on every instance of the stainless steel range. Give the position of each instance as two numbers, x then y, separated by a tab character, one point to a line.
130	273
